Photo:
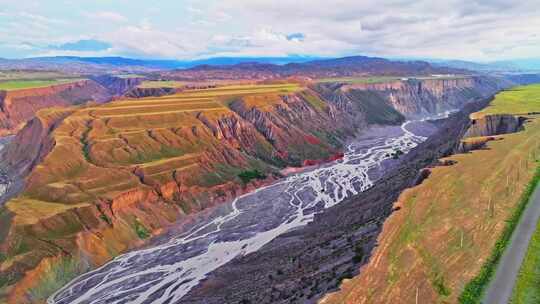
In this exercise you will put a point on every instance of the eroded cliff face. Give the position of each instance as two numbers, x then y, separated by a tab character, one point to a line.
104	178
299	126
118	86
416	97
148	92
497	124
19	106
484	128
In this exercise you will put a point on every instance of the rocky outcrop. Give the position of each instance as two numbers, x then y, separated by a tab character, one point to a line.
139	92
296	129
495	124
117	86
484	128
19	106
475	143
421	97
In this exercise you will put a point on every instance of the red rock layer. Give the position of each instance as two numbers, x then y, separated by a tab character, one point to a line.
19	106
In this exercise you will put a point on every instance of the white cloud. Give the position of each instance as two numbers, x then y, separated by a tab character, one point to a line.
145	40
454	29
464	29
107	16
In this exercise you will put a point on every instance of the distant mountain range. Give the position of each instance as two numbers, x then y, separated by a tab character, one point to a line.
233	67
369	65
353	66
518	65
93	64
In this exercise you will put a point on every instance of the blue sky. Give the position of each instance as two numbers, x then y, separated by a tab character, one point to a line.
461	29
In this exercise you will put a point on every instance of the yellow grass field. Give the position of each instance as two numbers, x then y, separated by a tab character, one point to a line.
161	84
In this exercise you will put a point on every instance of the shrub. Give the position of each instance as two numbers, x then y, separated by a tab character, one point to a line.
247	176
141	231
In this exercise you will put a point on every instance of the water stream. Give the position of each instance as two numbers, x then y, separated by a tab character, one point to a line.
166	272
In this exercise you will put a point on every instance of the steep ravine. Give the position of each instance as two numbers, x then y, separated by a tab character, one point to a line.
294	129
302	265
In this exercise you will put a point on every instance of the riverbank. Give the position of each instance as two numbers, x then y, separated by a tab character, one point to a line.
244	226
304	264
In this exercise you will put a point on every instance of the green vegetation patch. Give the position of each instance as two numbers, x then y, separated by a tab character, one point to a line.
5	218
518	100
34	75
141	230
314	101
334	139
247	176
61	273
29	84
474	290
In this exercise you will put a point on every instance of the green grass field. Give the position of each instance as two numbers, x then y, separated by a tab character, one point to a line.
518	100
33	75
29	84
527	289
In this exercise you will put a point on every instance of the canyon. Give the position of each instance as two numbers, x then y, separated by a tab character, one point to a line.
129	179
269	152
304	264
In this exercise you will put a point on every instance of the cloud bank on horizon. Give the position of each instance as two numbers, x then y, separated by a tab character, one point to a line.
188	29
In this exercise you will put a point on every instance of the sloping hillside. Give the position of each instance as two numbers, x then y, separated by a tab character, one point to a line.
19	105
